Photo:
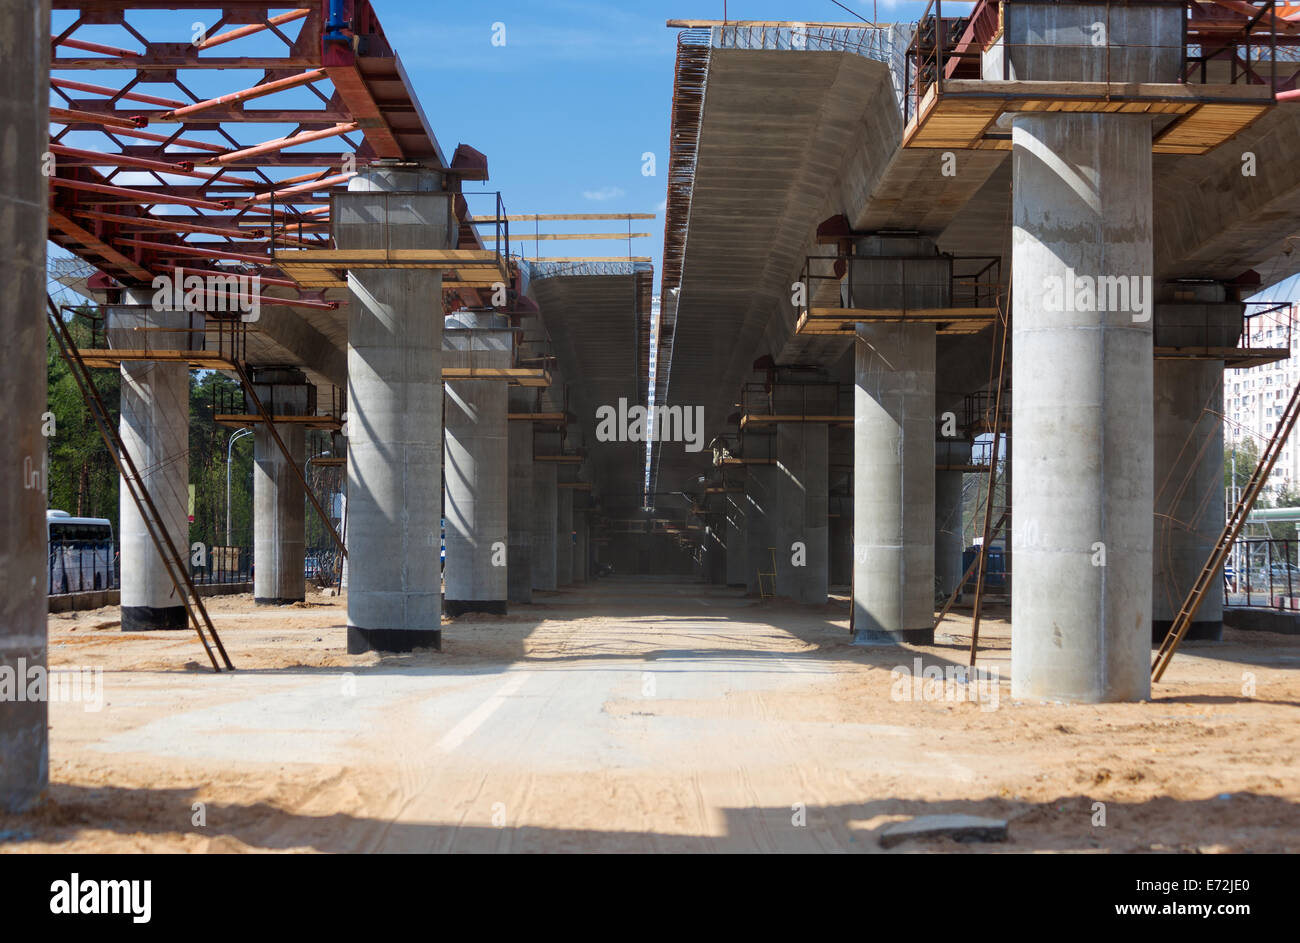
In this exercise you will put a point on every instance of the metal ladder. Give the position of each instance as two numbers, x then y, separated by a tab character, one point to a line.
1195	596
172	560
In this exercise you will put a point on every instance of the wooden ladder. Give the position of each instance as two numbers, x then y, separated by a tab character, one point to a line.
1205	579
172	559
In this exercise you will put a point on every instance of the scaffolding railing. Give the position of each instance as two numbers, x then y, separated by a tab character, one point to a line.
972	281
1207	51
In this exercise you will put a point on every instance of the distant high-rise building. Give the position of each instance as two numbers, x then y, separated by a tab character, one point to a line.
1255	398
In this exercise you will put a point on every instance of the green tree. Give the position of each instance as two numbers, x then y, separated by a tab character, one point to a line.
82	476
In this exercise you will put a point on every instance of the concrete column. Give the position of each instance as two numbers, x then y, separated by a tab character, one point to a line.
841	541
735	539
477	474
760	522
24	97
1189	509
564	536
1082	409
519	559
948	515
893	484
580	558
279	505
545	515
155	431
394	411
893	447
802	482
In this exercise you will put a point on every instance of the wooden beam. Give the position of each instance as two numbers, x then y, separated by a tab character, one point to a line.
558	217
702	24
593	258
538	417
762	420
518	236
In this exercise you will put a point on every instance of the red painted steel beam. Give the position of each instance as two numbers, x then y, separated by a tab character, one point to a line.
71	116
100	159
84	46
209	252
252	28
114	93
257	91
177	224
139	196
324	184
167	139
89	243
280	144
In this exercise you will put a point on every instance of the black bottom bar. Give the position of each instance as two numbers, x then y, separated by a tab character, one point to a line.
459	607
153	618
906	637
278	600
1207	631
361	640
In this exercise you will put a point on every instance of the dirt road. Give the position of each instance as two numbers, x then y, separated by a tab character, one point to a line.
639	715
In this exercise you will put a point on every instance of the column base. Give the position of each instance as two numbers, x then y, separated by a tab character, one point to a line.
398	641
154	618
906	637
459	607
1209	630
277	600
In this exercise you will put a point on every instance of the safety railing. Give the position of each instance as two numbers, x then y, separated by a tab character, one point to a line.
970	282
1262	572
793	398
81	566
223	565
1210	48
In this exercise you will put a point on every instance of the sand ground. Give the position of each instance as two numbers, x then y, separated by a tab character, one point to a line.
639	715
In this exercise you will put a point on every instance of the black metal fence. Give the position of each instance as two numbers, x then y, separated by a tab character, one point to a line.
1262	572
222	565
83	566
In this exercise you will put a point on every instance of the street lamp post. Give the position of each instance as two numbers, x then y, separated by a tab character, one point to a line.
230	444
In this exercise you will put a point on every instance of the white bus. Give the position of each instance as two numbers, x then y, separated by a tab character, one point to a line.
82	553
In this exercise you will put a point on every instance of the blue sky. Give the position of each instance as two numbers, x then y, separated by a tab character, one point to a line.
579	92
565	110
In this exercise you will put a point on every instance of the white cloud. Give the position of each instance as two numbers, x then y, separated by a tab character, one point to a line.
603	194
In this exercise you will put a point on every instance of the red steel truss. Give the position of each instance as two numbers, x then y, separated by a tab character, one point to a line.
149	173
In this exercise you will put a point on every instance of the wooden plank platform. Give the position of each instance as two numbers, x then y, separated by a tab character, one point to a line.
328	461
736	460
964	114
248	420
574	485
561	459
1232	357
556	418
198	359
327	268
767	420
317	277
517	376
845	320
